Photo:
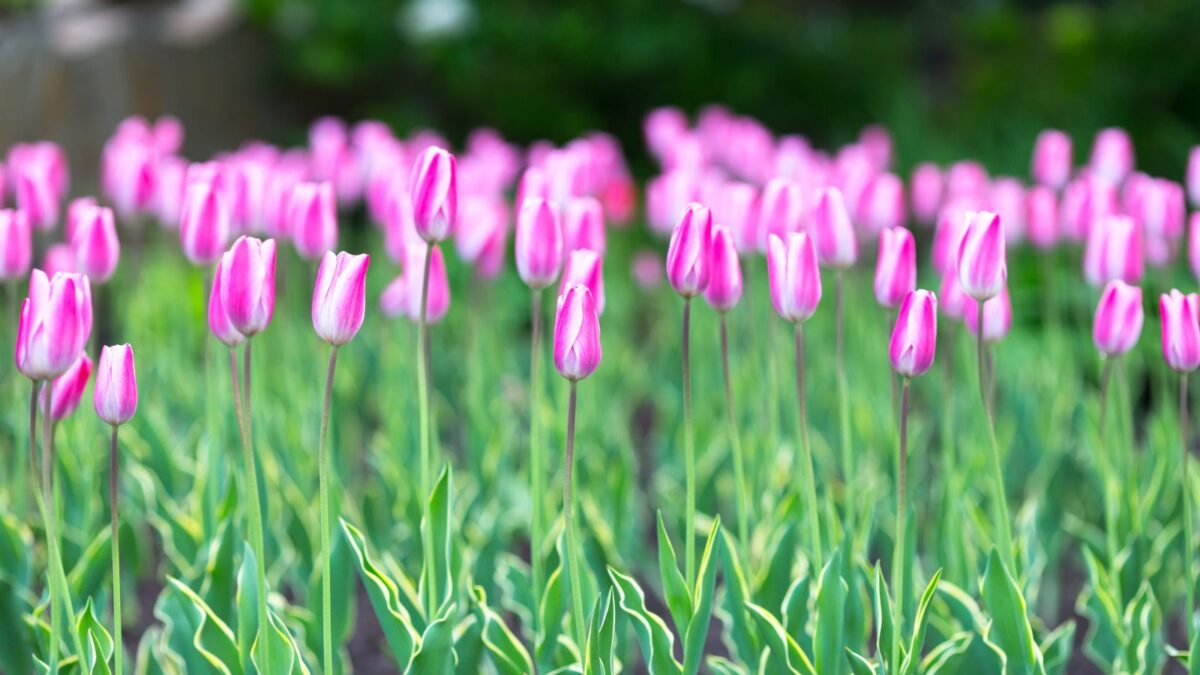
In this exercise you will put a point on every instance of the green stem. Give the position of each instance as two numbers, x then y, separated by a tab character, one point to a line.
843	394
899	559
536	492
423	407
569	516
116	554
323	473
1107	479
1188	562
735	441
689	447
806	470
950	492
1004	530
257	538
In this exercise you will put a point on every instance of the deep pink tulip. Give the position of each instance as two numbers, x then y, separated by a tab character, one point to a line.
218	318
914	339
833	232
434	189
1006	198
1180	315
952	301
725	280
97	249
56	322
1042	216
1052	159
948	236
1193	177
927	188
583	225
895	267
1114	251
482	234
340	296
68	389
533	183
795	278
781	208
997	317
577	350
312	219
1119	318
248	284
16	245
585	268
1112	155
688	267
982	264
539	245
116	395
204	223
882	204
59	258
1194	243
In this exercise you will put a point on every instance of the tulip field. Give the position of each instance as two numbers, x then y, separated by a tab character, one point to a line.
384	404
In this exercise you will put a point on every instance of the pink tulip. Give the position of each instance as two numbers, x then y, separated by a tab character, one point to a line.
132	177
16	245
1180	330
1042	216
583	225
577	350
795	278
434	189
737	210
1159	208
952	300
59	258
533	183
483	234
914	339
218	318
539	245
1006	197
997	317
312	219
116	395
402	297
168	199
1085	200
75	211
1112	155
895	267
725	280
340	296
3	183
662	128
36	194
248	284
833	232
688	267
585	268
1114	251
204	223
55	324
647	270
1193	177
97	249
1052	159
667	195
927	188
1119	318
967	179
68	389
1193	243
882	204
982	267
877	141
781	209
948	236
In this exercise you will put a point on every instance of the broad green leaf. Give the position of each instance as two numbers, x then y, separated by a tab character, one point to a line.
553	608
286	658
859	665
831	618
508	654
778	578
783	647
655	638
96	640
210	637
393	617
220	572
1010	628
917	643
435	655
675	590
722	666
702	602
440	501
796	611
94	566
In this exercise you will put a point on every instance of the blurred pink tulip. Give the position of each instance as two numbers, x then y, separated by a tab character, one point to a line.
434	190
16	245
1112	155
795	278
982	264
647	270
997	317
533	183
59	258
312	219
75	210
218	318
1160	208
539	245
1119	318
247	282
688	267
737	209
97	249
781	209
36	194
667	196
895	267
1114	251
204	223
1052	159
1193	243
116	395
877	141
914	338
585	268
1193	177
55	324
483	234
725	281
1180	316
68	389
1042	216
339	297
952	300
948	236
1006	197
168	199
832	230
583	225
132	177
3	183
882	204
577	349
662	128
966	178
1085	200
927	188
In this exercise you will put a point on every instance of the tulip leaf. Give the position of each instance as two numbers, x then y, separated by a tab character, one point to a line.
796	611
917	642
831	617
435	654
601	642
210	637
439	534
383	593
1010	629
96	641
552	610
885	633
284	653
739	628
678	597
859	665
947	656
16	657
783	647
697	630
508	654
652	633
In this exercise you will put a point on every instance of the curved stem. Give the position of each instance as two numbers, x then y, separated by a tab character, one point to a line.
569	516
1003	528
323	475
536	493
113	483
423	407
843	394
1188	562
899	552
257	538
689	447
735	441
806	470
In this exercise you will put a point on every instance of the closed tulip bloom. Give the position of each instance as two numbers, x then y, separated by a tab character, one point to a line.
583	225
997	317
781	208
835	239
794	276
16	245
533	183
952	300
248	284
55	324
75	212
402	297
585	268
204	223
982	265
967	178
482	234
340	296
577	351
132	178
1042	225
3	183
914	339
97	249
218	318
1180	330
1052	159
36	194
882	204
1194	244
739	211
312	219
59	258
1006	197
434	189
68	389
948	236
1119	318
168	198
1114	251
895	267
539	245
1193	177
116	394
725	281
1112	155
927	187
688	267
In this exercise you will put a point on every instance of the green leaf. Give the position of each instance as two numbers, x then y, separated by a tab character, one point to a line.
697	630
919	627
286	658
16	656
655	638
393	617
885	633
439	512
675	590
783	647
1056	650
947	655
435	655
220	571
721	666
1010	628
831	618
211	638
739	629
859	665
508	654
96	640
601	642
94	566
552	610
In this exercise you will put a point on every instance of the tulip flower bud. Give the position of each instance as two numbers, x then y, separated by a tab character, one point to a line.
1114	251
1052	159
340	296
539	246
434	189
1119	318
982	267
1112	155
577	351
482	234
737	209
966	179
948	236
725	280
895	267
1180	330
97	249
1042	206
688	267
59	258
997	317
1194	244
795	278
882	204
55	324
132	177
402	297
585	268
533	183
168	199
914	339
36	195
927	187
312	219
204	223
835	239
781	209
75	212
583	225
1006	197
248	284
68	389
1193	177
218	318
116	395
16	245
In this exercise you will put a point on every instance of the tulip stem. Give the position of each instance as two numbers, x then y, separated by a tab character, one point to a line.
116	554
1106	475
536	496
843	393
899	554
689	447
423	407
323	475
257	537
735	441
806	470
576	572
1188	563
1004	529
